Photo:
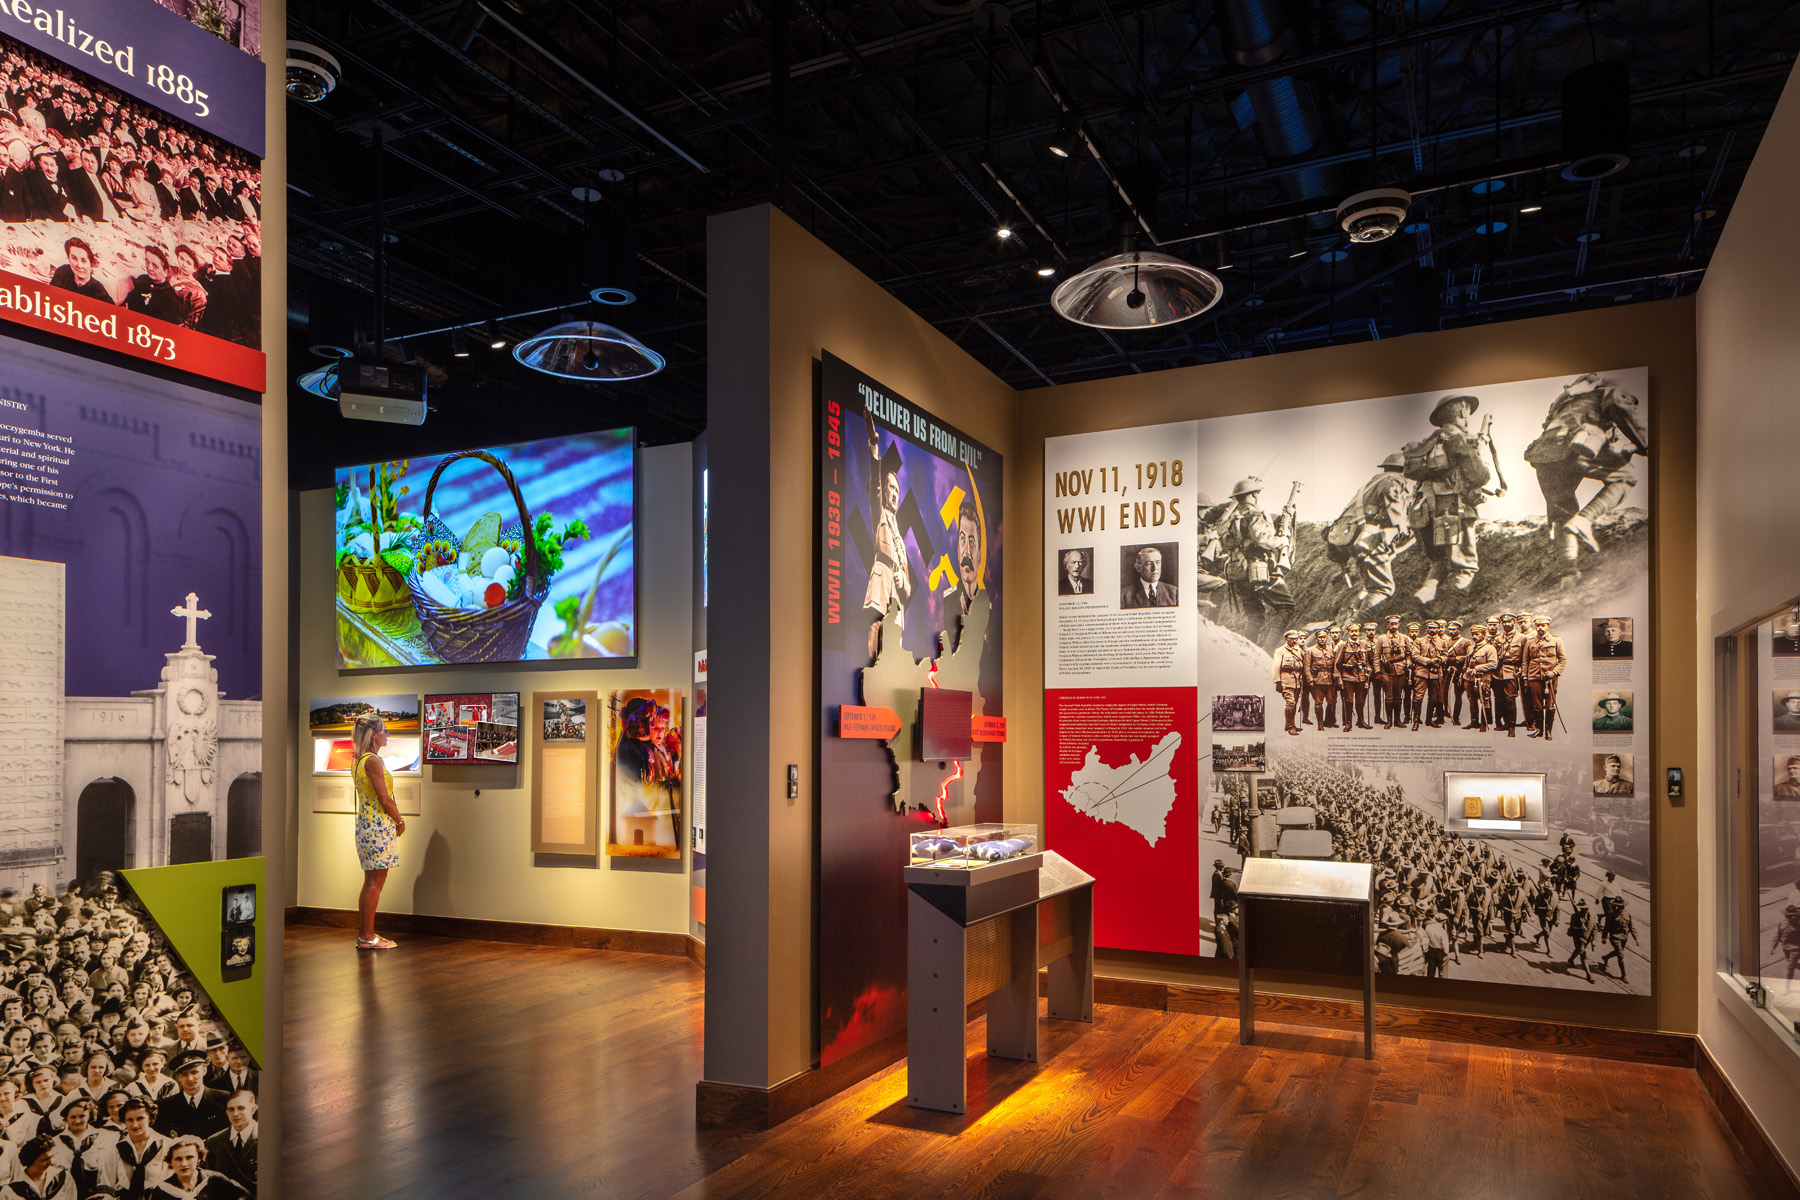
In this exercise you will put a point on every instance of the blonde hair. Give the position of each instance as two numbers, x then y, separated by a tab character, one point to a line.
364	732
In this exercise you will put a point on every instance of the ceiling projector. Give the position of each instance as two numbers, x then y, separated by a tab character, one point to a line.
380	390
1374	215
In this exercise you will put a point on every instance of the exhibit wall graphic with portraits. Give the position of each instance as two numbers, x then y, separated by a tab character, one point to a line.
132	211
131	738
910	537
1368	606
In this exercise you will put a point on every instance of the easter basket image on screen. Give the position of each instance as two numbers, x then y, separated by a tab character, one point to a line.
499	632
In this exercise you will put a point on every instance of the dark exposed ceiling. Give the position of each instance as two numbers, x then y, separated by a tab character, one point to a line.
903	131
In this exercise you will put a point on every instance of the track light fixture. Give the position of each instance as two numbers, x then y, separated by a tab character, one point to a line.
1531	195
1296	240
1068	135
1004	230
459	344
1223	262
495	341
1046	270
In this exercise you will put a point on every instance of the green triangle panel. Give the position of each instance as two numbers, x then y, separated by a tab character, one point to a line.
187	902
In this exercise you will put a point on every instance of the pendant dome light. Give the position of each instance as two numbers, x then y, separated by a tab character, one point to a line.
1139	289
588	351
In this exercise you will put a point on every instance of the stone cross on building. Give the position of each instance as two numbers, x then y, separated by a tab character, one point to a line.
194	613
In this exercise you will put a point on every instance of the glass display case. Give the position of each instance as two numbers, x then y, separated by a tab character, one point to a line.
970	846
1504	804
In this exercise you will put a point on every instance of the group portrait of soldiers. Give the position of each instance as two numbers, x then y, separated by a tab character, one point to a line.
1424	498
1504	672
1440	898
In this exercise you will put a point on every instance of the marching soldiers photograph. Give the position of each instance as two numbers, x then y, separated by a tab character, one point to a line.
1446	905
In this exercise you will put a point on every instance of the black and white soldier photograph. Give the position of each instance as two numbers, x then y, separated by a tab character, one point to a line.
1612	638
1785	642
1075	571
1785	710
1402	574
1239	752
1231	714
1787	777
1612	775
1147	575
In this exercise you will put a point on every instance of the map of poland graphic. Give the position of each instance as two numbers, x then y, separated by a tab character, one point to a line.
1137	795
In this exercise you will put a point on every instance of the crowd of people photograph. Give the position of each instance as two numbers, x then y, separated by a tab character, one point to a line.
1442	901
103	196
117	1079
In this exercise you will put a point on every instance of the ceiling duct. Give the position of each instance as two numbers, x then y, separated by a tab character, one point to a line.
1596	121
1287	121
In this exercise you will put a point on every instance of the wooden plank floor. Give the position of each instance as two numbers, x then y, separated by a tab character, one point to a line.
453	1069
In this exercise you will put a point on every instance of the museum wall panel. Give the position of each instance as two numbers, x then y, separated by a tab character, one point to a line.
1746	565
1656	336
467	855
780	299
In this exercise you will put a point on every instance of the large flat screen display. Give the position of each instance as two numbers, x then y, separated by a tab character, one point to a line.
514	553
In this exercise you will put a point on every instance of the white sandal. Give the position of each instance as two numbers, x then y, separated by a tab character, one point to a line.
380	943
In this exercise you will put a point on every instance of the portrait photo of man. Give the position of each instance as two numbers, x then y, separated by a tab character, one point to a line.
1784	636
1612	637
1612	774
1787	710
1148	574
1075	571
1787	776
1612	712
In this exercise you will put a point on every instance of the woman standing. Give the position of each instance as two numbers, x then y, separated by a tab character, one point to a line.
378	825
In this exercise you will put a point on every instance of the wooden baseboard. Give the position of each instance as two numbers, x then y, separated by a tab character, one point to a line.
1592	1041
525	933
1760	1157
734	1106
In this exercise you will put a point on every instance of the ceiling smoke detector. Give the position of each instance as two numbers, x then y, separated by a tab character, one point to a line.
1374	215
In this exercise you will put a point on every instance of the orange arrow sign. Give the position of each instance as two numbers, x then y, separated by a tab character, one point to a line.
855	721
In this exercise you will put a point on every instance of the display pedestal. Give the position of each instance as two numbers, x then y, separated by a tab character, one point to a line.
984	933
1305	916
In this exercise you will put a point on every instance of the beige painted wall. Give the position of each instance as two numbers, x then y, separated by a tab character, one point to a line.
469	856
779	298
1749	530
1659	335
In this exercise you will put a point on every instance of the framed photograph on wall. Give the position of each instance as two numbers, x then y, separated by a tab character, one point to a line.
565	775
643	760
472	728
